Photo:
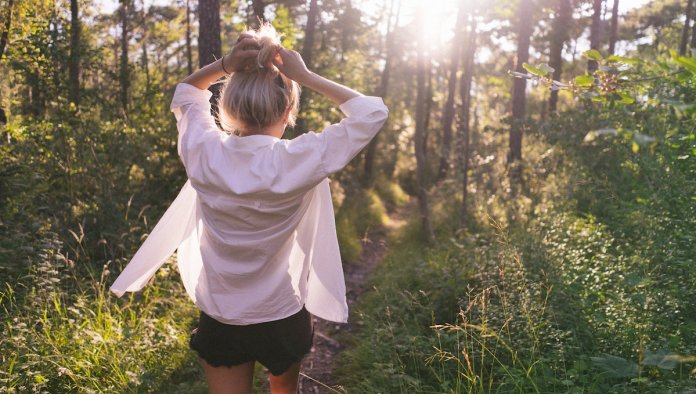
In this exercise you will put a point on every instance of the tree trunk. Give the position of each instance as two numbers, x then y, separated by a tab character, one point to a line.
4	37
559	36
308	44
595	32
614	27
189	56
418	139
258	8
519	100
693	38
209	43
74	63
143	43
465	115
307	51
448	111
124	73
428	106
685	31
383	88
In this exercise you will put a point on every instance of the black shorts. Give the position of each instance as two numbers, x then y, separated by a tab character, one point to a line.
276	344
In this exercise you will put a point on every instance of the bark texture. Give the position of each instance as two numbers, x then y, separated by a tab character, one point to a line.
209	44
307	51
613	34
145	58
124	72
382	89
687	28
465	116
4	37
74	64
448	111
595	32
519	99
258	9
559	37
189	55
418	139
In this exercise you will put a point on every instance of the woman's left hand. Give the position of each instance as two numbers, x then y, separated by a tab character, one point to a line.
243	55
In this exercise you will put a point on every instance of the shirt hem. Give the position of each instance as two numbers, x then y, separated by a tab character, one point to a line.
248	322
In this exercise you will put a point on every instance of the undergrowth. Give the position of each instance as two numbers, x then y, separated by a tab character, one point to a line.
574	281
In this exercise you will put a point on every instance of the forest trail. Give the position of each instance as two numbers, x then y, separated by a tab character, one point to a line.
317	374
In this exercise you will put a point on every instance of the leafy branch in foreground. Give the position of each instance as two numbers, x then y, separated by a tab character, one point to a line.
613	80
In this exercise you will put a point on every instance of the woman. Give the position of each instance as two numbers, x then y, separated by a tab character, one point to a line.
254	226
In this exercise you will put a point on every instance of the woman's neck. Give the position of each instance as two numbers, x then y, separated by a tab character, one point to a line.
275	130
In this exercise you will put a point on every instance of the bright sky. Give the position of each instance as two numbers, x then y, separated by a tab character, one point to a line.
438	16
408	5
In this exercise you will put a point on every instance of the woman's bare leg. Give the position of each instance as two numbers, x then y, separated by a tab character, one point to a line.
285	383
229	380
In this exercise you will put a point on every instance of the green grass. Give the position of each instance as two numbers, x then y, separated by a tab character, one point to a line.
65	335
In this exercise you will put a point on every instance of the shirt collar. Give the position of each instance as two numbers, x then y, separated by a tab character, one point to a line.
256	140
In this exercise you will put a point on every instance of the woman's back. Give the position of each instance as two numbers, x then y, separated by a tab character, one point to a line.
254	225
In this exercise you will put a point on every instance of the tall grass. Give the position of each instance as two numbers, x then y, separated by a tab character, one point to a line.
65	333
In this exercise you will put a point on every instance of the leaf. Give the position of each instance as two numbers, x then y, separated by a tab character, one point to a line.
626	98
534	70
592	135
519	74
689	63
584	80
592	54
616	366
621	59
662	359
546	68
643	139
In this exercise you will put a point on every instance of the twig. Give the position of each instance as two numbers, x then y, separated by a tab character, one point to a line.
323	384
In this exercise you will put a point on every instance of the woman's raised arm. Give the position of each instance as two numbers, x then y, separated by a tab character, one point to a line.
291	64
242	56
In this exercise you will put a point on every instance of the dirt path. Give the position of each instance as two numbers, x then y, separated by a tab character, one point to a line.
318	367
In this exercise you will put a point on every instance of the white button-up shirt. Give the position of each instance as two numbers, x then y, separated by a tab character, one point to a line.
254	225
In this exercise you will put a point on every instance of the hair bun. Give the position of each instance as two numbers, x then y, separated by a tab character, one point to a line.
269	39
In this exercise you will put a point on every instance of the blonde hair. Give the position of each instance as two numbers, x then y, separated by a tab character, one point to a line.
254	99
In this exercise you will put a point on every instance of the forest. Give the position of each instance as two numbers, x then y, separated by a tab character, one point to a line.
533	191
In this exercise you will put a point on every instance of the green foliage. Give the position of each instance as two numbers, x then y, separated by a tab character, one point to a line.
541	70
592	54
391	193
360	212
65	333
349	240
584	80
576	286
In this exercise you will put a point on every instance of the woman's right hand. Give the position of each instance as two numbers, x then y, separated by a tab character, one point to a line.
290	63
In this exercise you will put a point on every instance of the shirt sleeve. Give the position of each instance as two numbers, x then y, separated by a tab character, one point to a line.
196	126
339	143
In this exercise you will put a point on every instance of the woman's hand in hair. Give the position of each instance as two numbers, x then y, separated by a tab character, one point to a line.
243	55
291	64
